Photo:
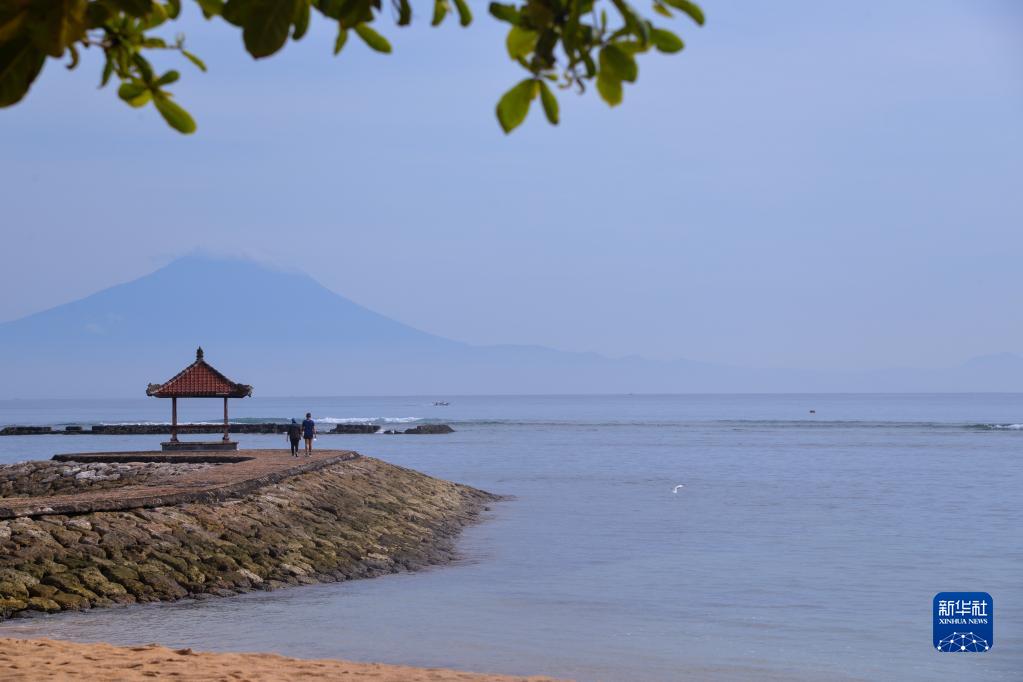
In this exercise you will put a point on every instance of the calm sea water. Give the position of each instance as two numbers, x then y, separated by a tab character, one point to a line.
803	546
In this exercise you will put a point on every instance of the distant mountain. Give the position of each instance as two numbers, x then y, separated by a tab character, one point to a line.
288	335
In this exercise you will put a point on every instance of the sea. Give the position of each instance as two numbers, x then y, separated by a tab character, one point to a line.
667	537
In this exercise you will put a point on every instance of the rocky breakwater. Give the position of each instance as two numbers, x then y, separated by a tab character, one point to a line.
350	519
160	429
425	429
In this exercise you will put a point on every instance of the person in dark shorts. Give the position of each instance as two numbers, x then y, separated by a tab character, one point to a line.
308	432
294	435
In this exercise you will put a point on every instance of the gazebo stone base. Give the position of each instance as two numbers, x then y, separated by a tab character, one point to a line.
192	445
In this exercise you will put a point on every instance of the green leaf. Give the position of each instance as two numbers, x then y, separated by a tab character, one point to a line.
176	117
508	13
130	90
440	10
342	38
144	67
619	62
404	13
666	41
195	60
520	42
55	25
142	100
662	10
11	21
95	15
690	8
352	12
136	8
514	105
20	63
372	38
168	78
74	57
134	93
236	11
550	103
464	13
211	8
301	19
610	88
108	70
266	26
156	17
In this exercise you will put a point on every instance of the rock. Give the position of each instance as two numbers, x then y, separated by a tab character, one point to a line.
95	581
67	582
43	604
9	606
292	569
25	430
43	591
13	590
252	577
355	428
426	429
70	602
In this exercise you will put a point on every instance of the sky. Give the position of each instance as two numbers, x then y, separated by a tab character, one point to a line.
818	185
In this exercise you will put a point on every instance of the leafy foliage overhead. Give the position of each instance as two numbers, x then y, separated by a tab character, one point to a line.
563	44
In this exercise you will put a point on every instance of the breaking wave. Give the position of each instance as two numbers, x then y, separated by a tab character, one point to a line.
366	420
998	427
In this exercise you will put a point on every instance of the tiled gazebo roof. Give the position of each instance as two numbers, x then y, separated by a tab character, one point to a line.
199	380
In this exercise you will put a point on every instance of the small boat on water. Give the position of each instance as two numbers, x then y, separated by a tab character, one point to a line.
441	403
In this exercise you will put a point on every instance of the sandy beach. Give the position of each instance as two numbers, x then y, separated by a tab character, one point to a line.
38	659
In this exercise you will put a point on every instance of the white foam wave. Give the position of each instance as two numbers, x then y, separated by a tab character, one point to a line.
366	420
1012	427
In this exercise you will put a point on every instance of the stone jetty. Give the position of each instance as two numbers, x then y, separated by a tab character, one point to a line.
120	528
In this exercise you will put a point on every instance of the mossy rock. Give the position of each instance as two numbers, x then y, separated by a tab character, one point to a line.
13	590
43	604
176	563
95	581
70	602
139	590
163	585
221	562
120	574
67	538
42	591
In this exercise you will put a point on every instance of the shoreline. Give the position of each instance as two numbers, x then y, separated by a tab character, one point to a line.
26	660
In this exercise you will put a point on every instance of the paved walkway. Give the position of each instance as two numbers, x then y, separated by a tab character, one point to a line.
237	473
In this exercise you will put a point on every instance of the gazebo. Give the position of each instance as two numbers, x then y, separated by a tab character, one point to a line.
198	380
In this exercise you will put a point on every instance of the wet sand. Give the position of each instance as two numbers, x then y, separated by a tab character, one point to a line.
45	659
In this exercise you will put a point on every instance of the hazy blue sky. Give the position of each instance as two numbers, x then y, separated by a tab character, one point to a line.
832	185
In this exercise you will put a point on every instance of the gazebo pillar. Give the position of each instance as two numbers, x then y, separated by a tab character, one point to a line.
174	420
226	430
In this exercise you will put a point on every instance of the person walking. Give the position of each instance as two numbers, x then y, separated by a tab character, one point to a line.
309	433
294	435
